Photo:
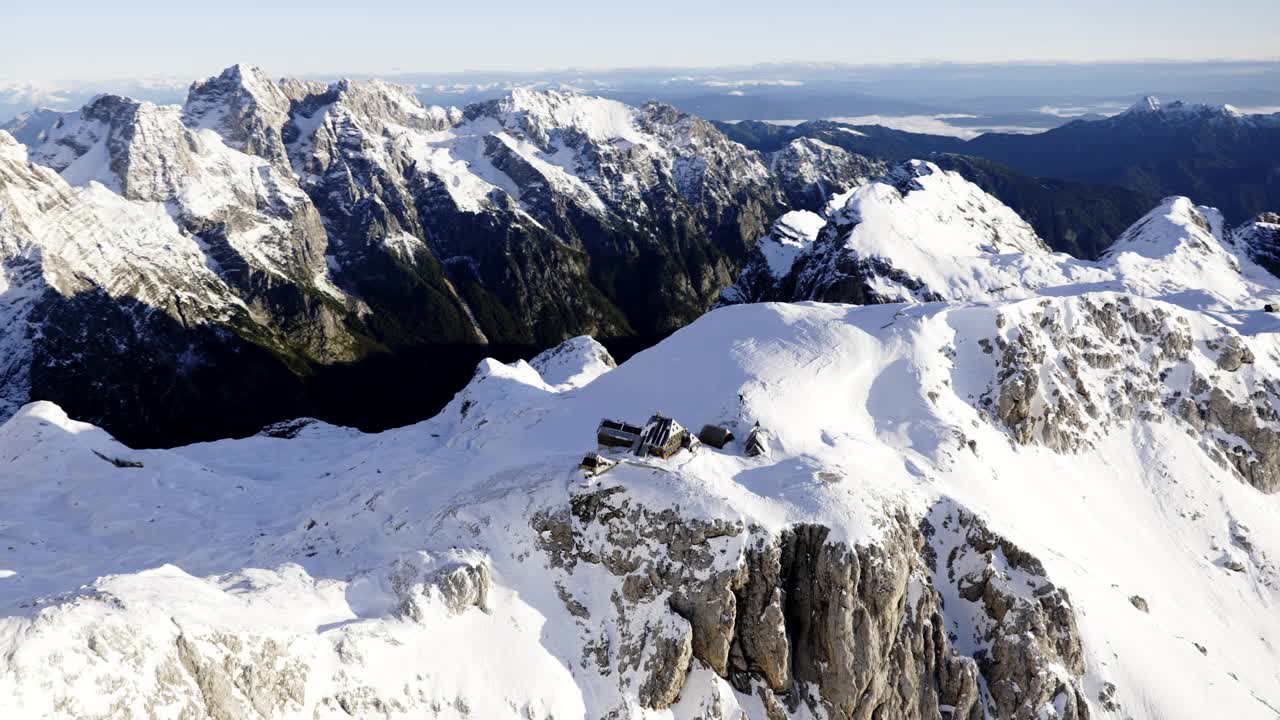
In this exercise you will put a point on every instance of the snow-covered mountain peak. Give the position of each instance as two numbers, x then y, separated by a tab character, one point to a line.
250	77
29	127
148	153
248	80
353	117
1177	224
573	363
791	234
811	157
497	388
378	100
917	202
1183	252
138	149
918	233
790	237
237	225
1179	110
1148	104
905	176
925	234
11	149
798	225
598	119
812	171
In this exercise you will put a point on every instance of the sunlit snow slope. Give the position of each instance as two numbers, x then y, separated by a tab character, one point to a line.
326	573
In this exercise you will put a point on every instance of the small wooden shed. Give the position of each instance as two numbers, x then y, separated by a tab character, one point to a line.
595	464
715	436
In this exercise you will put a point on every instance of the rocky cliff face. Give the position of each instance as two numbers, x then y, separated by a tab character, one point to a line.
1261	240
801	623
538	211
1066	374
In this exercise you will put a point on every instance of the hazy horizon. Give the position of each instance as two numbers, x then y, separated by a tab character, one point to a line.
214	67
397	36
960	99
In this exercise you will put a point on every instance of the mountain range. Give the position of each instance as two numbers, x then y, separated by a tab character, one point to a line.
1012	485
1097	175
272	249
285	227
885	451
922	234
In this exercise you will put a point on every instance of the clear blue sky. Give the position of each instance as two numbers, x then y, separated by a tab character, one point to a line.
80	38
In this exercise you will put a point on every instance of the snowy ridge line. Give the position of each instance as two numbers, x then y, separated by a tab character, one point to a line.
923	234
475	524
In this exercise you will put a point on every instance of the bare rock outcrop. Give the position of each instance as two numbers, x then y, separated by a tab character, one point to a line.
1071	370
862	633
457	585
1025	639
807	623
672	594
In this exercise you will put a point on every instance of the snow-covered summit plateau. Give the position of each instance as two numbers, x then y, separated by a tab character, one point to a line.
1053	506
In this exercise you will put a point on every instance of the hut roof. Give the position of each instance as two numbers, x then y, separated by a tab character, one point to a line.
757	442
607	424
660	430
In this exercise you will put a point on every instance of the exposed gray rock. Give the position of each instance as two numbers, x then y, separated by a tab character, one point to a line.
662	655
799	620
243	677
1261	241
245	107
1073	369
1027	645
458	585
860	635
463	586
1106	696
1234	354
672	600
